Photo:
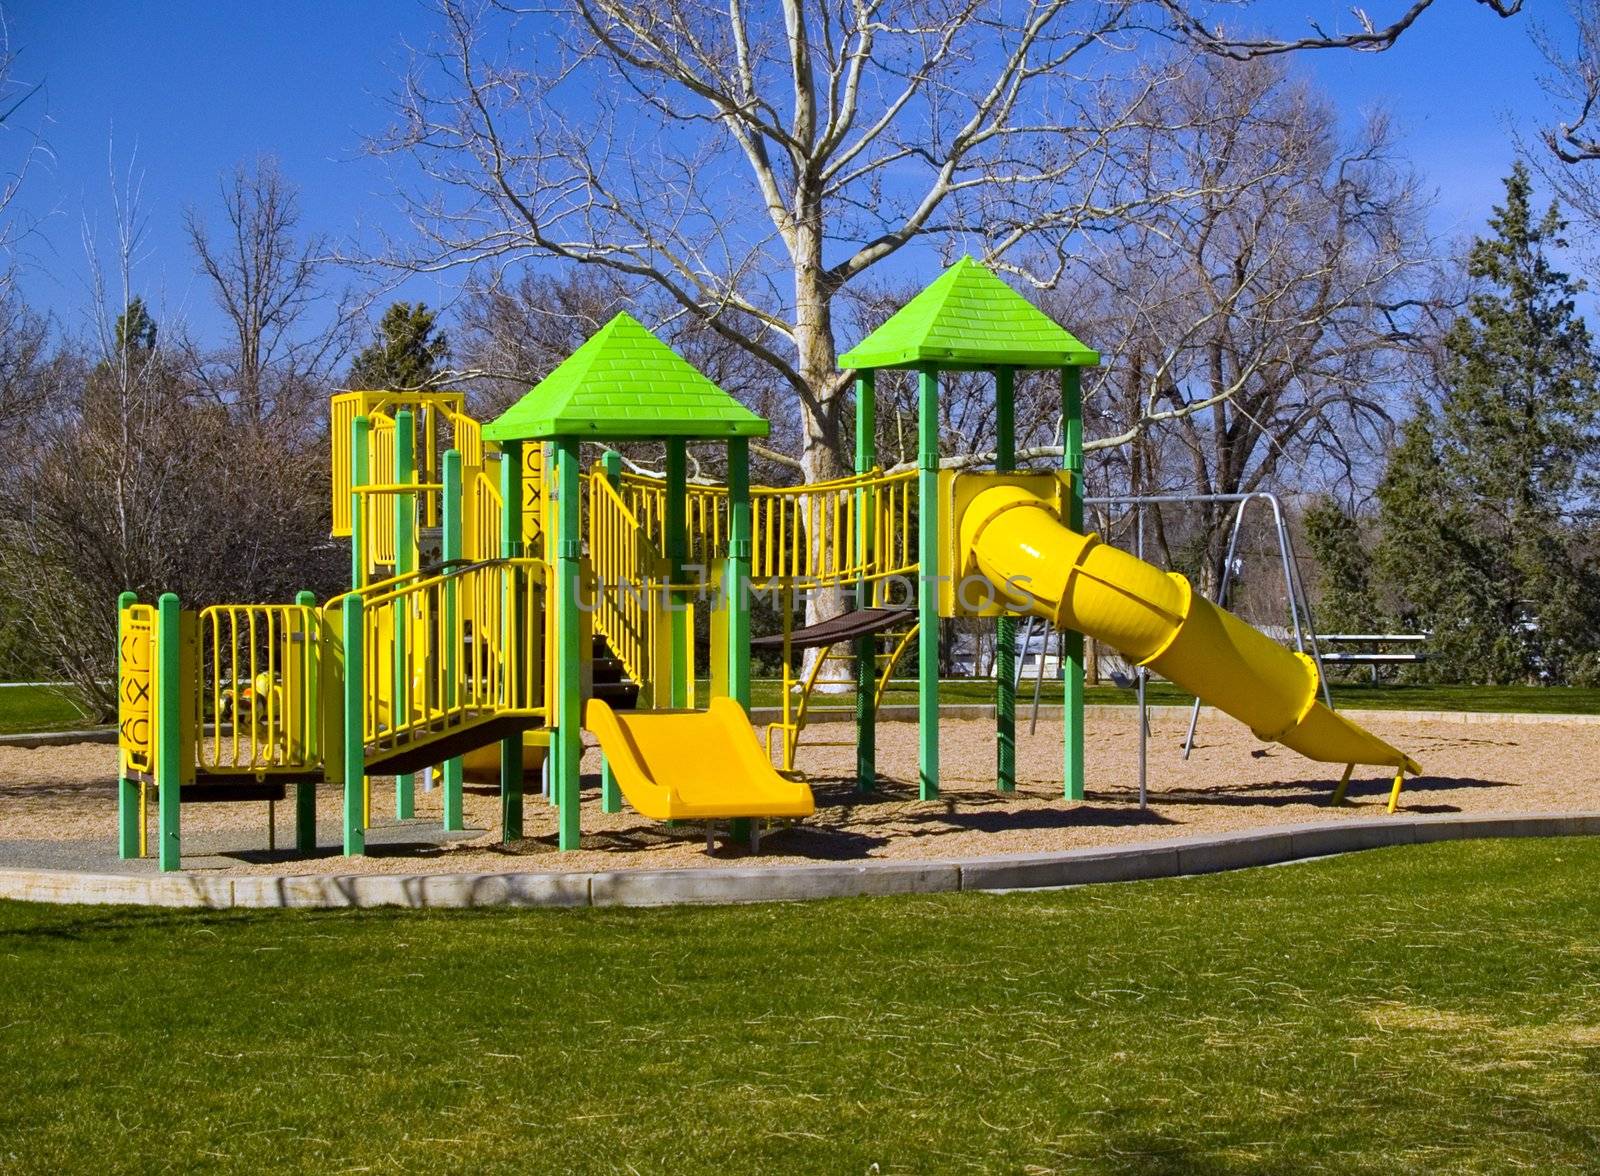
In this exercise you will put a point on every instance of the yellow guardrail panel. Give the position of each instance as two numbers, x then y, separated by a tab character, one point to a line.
627	569
257	710
812	534
475	641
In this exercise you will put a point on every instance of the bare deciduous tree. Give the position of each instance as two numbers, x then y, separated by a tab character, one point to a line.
1260	325
267	282
757	162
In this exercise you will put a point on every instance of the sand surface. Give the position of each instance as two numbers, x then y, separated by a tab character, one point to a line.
1231	783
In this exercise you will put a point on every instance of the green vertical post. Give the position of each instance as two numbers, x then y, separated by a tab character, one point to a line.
866	646
674	524
1005	640
353	744
360	432
405	560
736	575
735	578
1072	687
610	794
169	729
569	685
511	548
450	551
928	586
128	798
305	791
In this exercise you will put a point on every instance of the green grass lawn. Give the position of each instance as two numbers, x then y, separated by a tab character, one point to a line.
37	708
1567	700
1408	1010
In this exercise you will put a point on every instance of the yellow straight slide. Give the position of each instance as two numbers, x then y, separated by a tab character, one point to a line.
694	765
1016	541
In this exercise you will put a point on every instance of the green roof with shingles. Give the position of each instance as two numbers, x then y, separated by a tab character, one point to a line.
625	383
969	318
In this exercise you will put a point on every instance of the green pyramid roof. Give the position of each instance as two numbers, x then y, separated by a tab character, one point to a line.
625	383
969	318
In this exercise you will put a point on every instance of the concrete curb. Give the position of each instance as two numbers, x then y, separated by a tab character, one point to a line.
747	884
31	739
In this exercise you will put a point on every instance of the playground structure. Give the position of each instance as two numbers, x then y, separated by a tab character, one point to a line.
504	599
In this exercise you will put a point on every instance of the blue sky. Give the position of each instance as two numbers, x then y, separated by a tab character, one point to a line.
182	90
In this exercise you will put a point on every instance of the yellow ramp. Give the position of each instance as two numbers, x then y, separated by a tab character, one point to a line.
699	765
1156	619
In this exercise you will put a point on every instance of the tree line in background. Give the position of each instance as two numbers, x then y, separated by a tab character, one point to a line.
1272	312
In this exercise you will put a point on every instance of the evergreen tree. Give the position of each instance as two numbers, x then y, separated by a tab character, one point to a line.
1346	603
1478	497
136	330
408	352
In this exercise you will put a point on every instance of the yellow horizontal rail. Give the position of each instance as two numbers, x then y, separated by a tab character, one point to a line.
839	532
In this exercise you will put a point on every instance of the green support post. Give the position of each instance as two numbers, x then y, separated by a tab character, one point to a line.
569	686
454	640
360	433
866	646
511	548
610	794
736	574
928	586
305	791
128	796
677	549
1005	641
1072	687
405	560
169	728
353	746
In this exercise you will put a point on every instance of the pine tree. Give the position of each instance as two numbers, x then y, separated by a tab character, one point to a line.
1346	602
407	353
1478	497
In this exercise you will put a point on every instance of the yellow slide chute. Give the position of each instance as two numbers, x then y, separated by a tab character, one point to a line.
694	765
1015	540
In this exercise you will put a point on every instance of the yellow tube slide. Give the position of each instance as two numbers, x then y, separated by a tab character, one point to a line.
694	765
1156	619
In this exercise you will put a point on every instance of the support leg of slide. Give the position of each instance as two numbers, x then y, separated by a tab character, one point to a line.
1344	782
1394	793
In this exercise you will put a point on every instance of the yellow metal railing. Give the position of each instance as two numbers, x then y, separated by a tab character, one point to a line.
627	568
783	735
475	650
807	534
431	410
259	689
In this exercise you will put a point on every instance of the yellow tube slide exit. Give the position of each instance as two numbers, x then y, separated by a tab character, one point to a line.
1156	619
